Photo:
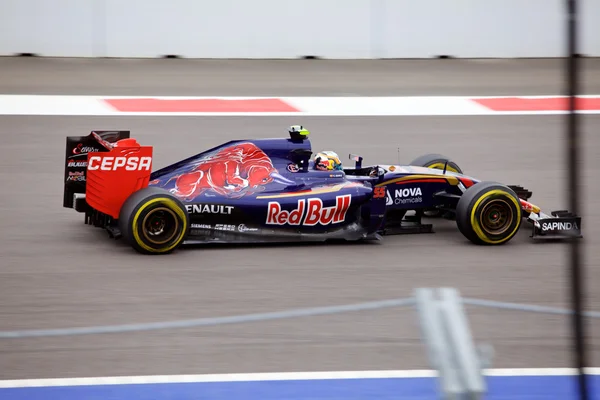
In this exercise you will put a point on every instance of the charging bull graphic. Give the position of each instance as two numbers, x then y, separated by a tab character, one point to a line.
234	171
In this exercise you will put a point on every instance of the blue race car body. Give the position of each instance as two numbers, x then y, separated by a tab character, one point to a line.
266	190
255	190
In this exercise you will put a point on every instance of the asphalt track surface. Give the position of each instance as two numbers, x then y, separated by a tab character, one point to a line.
56	272
184	77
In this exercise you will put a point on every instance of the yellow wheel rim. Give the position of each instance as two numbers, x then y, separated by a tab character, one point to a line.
173	207
495	217
157	222
475	224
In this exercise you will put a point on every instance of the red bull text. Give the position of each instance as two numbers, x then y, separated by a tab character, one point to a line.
309	212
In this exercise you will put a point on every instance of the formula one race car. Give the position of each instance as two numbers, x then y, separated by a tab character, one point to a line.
268	190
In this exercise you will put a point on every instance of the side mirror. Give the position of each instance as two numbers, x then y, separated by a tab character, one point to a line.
358	160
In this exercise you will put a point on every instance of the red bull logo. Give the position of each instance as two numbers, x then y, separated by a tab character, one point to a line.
309	212
233	172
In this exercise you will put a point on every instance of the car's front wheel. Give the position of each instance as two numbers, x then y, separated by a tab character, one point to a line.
489	213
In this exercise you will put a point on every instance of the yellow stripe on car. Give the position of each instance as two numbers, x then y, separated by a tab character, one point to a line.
475	223
451	179
327	189
175	208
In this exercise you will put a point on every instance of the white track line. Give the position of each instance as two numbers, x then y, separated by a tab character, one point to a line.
307	106
283	376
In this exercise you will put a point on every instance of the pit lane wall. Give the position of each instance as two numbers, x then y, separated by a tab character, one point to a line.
293	28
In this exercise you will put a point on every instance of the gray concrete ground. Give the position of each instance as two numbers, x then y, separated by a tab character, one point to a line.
56	272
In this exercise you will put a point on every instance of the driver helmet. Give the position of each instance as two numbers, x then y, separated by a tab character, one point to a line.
327	161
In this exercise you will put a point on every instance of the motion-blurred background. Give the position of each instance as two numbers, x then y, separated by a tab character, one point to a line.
57	273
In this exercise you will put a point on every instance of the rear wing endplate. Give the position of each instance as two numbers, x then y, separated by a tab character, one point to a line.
76	151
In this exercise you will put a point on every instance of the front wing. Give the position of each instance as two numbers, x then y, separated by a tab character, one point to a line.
560	224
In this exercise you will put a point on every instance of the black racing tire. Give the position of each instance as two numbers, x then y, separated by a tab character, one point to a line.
436	161
489	213
153	221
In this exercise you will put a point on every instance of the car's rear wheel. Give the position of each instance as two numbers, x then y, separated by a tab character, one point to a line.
489	213
154	221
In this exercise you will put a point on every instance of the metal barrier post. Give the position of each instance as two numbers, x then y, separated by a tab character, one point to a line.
449	342
432	331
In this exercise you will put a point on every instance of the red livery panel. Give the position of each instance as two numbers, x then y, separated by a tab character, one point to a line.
233	172
113	176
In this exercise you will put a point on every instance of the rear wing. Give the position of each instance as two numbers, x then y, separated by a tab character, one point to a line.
103	169
76	151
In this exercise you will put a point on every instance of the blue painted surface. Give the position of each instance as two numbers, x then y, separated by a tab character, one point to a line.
500	388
